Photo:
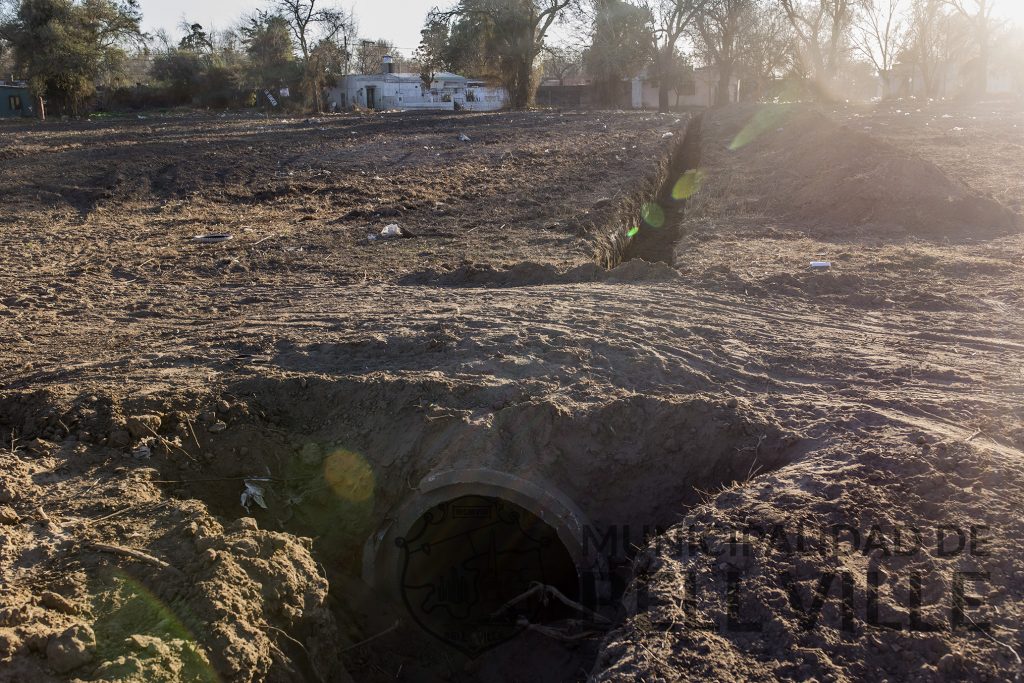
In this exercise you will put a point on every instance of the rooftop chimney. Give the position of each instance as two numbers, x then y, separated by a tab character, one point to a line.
389	64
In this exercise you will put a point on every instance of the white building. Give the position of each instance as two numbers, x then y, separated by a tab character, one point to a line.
702	92
406	91
950	80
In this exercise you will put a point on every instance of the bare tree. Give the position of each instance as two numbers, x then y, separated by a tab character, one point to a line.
929	44
561	62
311	23
881	33
718	33
371	53
822	28
979	14
673	18
767	47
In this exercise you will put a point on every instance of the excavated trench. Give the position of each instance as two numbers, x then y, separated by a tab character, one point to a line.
660	220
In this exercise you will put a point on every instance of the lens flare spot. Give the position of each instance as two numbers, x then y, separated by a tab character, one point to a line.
688	185
653	215
633	231
130	617
349	476
763	121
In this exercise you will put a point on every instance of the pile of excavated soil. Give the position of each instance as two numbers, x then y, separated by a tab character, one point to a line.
798	165
103	576
859	563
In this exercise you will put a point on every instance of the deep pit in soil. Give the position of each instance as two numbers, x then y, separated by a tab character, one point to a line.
442	522
466	564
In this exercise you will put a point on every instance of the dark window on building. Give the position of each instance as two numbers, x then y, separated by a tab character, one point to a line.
14	102
688	89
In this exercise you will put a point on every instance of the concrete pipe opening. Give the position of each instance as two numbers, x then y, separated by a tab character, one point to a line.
473	553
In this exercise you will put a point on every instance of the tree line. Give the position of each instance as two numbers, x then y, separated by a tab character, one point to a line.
815	43
72	51
68	49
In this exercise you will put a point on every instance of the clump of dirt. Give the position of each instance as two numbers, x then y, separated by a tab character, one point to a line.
796	164
104	577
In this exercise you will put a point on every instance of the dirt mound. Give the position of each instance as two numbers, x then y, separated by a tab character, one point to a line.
795	163
805	575
110	580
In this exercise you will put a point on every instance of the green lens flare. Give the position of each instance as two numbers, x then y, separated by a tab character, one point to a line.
129	620
633	231
763	121
688	185
653	215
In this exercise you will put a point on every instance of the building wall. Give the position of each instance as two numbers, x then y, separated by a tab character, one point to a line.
705	87
16	96
907	80
394	92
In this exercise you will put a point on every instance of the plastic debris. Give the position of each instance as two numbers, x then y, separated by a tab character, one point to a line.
666	136
821	265
391	231
463	137
253	493
215	238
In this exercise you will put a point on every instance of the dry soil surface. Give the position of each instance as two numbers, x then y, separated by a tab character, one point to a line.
729	389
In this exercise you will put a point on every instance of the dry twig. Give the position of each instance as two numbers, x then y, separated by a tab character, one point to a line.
135	555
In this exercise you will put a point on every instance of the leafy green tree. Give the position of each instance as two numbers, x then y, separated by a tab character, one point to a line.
271	52
432	52
509	35
622	45
180	73
196	39
64	47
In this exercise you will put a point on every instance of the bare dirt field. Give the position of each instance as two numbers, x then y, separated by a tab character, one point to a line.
208	450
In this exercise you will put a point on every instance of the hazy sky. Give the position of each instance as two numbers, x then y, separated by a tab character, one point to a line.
399	21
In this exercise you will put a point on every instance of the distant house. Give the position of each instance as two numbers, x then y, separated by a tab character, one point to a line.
407	91
702	91
15	101
641	92
907	79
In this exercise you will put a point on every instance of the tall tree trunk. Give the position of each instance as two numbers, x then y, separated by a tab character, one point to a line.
981	80
663	66
724	94
520	87
662	97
